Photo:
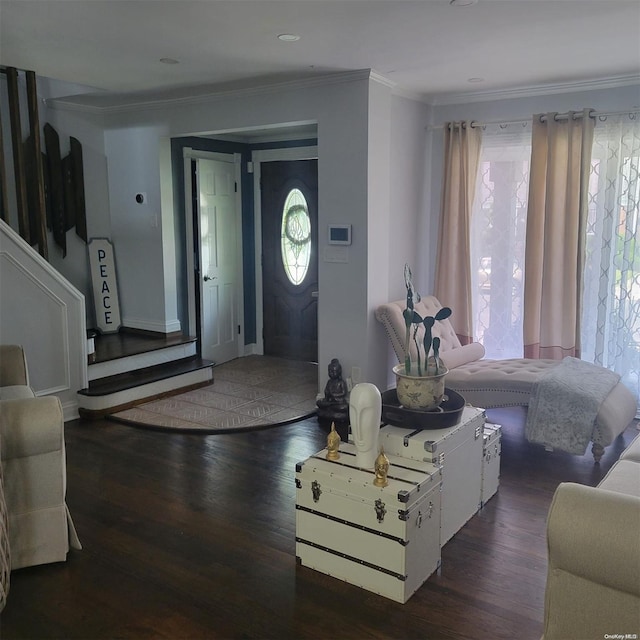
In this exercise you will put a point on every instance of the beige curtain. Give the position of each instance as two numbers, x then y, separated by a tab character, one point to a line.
556	233
453	263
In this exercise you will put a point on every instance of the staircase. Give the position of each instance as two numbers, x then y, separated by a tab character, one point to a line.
132	368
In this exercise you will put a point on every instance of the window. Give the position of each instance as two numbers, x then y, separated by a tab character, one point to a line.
610	334
295	237
498	225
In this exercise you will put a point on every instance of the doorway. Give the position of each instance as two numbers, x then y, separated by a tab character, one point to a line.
289	213
260	158
215	254
195	274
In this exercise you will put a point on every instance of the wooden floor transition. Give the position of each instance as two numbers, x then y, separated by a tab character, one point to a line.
189	536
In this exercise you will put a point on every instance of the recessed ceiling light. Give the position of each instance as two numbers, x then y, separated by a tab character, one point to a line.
169	61
288	37
462	3
475	80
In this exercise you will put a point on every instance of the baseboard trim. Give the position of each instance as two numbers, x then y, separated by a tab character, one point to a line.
252	350
70	411
163	328
151	334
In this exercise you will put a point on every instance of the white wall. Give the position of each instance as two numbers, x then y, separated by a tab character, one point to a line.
379	169
372	174
133	156
87	128
46	315
408	215
410	240
341	110
381	223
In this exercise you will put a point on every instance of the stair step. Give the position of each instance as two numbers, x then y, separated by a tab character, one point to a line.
127	342
122	381
124	390
142	360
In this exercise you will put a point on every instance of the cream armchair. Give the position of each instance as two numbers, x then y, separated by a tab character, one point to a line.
14	375
500	383
32	455
593	577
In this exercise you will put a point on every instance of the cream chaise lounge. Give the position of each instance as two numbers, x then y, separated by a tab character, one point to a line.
32	455
501	383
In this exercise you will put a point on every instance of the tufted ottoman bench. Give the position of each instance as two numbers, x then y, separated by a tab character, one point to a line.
501	383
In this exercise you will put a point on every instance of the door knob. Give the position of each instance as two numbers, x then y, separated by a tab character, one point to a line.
207	278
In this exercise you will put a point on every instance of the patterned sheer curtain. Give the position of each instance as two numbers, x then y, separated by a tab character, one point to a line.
611	302
498	225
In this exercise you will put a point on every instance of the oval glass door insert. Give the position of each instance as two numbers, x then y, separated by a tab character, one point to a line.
295	237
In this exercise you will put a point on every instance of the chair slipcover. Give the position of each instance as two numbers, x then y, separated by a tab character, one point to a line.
32	457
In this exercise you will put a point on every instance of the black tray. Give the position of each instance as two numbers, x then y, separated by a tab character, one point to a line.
447	415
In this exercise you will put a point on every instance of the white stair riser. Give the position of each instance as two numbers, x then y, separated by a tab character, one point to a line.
140	361
149	390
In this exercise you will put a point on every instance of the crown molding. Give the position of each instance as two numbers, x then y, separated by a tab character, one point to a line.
382	79
104	103
126	103
531	91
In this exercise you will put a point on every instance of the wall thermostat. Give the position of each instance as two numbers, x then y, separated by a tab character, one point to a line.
339	234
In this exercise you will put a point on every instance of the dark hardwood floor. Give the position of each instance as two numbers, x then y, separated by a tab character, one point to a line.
191	536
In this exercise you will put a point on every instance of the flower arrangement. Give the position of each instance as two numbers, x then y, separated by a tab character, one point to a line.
413	321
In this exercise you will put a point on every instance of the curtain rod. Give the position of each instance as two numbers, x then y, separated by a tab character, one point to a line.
559	116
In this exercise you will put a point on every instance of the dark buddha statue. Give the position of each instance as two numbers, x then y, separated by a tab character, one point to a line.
334	407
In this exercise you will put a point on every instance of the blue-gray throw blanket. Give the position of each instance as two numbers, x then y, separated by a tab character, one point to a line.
564	404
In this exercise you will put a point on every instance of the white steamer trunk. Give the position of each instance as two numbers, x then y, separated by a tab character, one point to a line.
492	449
383	539
458	450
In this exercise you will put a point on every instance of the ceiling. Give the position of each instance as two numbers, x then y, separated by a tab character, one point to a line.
430	49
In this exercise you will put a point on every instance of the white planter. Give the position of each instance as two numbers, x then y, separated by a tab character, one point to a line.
419	392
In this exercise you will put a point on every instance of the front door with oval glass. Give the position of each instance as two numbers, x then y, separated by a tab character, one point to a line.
290	258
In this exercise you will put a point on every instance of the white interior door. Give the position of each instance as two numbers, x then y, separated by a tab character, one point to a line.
220	282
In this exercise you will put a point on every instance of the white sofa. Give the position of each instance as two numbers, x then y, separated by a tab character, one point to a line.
32	455
593	538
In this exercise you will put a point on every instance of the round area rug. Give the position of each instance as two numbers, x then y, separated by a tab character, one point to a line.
255	392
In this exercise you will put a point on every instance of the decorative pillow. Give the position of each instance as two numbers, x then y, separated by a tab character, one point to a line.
462	355
391	318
